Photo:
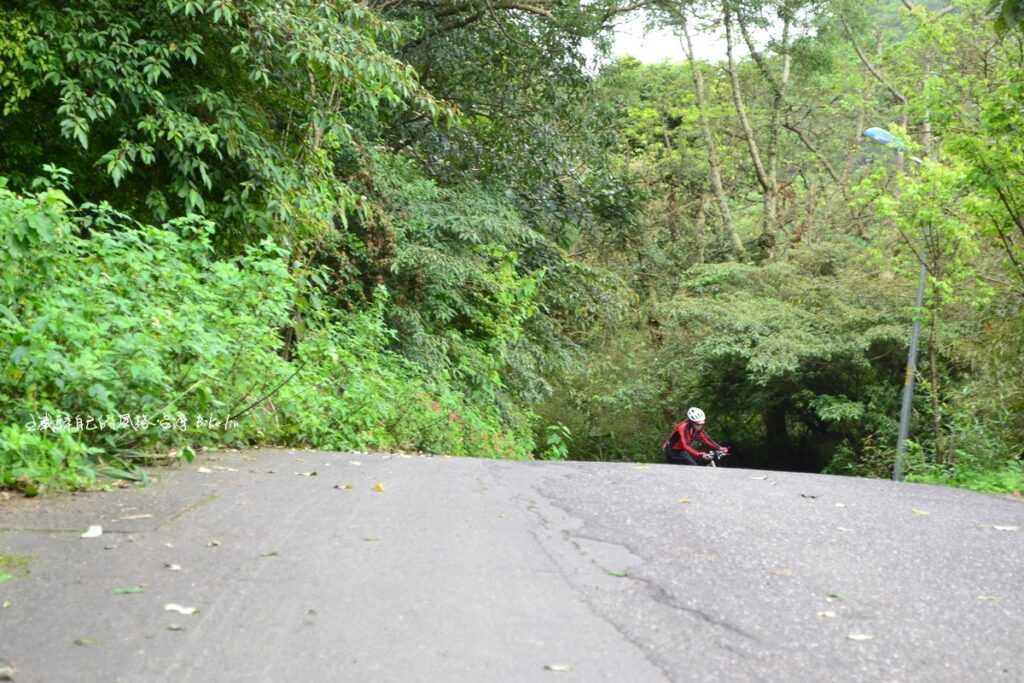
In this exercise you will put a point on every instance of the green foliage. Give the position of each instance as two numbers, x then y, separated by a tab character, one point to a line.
557	438
1009	15
234	111
130	320
352	392
122	337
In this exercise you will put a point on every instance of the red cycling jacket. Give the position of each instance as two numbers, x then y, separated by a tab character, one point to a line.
684	434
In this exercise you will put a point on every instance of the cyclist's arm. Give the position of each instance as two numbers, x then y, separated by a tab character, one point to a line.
708	442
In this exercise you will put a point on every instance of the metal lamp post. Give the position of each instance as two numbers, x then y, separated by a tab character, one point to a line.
884	137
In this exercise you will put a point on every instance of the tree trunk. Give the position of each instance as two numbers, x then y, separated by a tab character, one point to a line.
702	219
767	188
714	166
779	87
933	361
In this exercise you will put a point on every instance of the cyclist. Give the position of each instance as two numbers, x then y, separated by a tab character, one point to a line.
678	447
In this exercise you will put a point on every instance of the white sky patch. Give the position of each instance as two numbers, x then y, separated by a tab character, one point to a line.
632	37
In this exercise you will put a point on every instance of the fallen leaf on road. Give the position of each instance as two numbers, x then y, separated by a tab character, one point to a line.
807	495
827	614
832	597
860	636
760	478
7	603
683	500
84	642
175	627
354	462
224	469
272	553
172	567
840	505
130	517
844	528
205	470
127	590
988	598
1006	527
557	667
6	671
213	544
307	474
378	487
919	512
94	531
343	487
618	574
174	607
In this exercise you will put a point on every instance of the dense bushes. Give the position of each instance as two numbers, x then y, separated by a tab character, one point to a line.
118	337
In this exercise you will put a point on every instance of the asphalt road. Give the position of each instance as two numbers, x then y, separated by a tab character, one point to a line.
478	570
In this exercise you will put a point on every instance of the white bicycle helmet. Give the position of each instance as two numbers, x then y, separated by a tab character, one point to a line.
695	415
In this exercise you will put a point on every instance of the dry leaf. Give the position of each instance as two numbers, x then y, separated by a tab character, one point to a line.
7	603
343	487
354	462
557	667
128	590
919	512
988	598
174	607
94	531
204	470
860	636
827	614
378	487
683	500
214	543
172	567
175	627
1006	527
307	474
130	517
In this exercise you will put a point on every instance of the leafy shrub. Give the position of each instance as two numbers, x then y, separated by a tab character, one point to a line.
119	337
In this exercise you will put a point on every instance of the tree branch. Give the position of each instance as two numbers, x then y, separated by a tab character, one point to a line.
758	57
870	67
818	155
941	13
741	112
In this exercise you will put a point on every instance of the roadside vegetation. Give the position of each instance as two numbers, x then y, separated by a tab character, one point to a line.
436	227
